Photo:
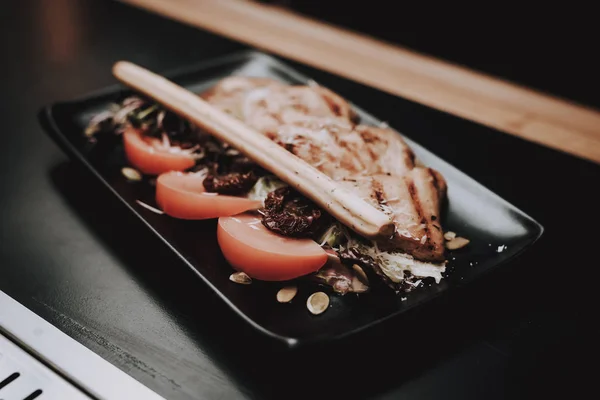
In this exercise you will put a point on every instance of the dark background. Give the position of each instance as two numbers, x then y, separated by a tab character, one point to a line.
69	252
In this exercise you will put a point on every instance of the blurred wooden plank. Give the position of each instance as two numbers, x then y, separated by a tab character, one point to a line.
514	109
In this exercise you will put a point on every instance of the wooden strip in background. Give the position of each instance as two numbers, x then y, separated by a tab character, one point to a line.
514	109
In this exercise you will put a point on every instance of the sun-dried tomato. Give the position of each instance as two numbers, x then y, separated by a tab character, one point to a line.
233	184
288	213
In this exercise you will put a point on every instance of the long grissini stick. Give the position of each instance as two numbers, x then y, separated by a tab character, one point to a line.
344	205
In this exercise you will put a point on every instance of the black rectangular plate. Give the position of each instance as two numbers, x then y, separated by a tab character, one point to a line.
498	231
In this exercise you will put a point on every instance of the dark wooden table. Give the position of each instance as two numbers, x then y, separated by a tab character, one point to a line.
72	255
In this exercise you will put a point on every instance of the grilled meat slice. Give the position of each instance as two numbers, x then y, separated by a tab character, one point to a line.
318	126
428	190
229	94
335	149
387	149
414	202
314	123
341	151
266	104
338	105
391	195
267	108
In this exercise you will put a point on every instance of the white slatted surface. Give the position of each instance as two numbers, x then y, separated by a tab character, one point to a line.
66	356
24	377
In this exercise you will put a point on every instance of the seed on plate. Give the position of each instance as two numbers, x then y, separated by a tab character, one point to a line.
317	303
449	235
457	243
241	278
131	174
360	273
286	294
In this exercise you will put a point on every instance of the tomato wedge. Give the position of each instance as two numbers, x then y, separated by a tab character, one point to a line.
181	195
263	254
153	157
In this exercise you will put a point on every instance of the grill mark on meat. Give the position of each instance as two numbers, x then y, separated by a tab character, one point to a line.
369	138
434	179
439	183
335	108
378	191
419	209
428	199
338	105
410	156
372	154
387	149
436	184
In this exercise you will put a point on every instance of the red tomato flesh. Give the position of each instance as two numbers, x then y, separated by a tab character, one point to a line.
182	195
151	158
264	255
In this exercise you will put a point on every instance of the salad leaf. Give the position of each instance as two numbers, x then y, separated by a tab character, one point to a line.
264	186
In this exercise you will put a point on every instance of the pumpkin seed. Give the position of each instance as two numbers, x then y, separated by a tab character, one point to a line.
286	294
457	243
241	278
449	235
131	174
317	303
